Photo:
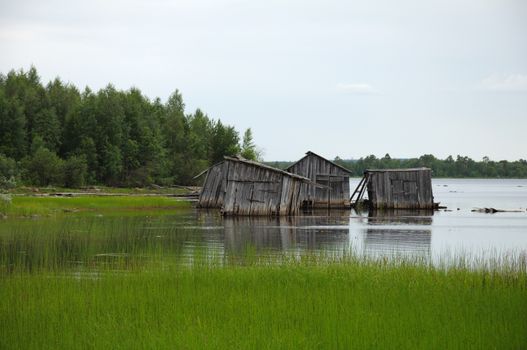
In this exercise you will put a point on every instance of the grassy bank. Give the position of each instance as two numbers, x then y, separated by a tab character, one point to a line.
349	304
27	206
180	190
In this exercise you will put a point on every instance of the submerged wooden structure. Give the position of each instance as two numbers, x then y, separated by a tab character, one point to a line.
334	191
396	188
242	187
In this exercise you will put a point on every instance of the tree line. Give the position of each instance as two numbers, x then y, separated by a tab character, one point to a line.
55	134
460	167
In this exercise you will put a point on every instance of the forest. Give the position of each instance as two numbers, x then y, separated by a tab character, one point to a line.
55	134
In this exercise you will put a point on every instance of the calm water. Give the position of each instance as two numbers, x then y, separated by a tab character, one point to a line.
80	241
454	231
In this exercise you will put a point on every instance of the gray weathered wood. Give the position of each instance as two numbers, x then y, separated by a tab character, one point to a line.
335	193
242	187
400	188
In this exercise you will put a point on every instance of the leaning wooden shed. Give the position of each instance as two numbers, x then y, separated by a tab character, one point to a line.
213	190
399	188
244	187
336	190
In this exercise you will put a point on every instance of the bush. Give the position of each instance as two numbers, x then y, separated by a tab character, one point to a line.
43	168
75	171
8	168
7	183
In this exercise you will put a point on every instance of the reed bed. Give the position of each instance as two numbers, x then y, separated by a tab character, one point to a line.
131	282
310	301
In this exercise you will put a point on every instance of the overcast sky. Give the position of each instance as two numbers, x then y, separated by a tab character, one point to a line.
346	78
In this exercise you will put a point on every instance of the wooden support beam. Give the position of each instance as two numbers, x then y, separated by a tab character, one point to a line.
357	188
361	193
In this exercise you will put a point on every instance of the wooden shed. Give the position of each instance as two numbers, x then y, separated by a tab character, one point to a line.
399	188
243	187
336	190
213	190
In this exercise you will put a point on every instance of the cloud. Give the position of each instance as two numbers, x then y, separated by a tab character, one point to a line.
505	83
357	89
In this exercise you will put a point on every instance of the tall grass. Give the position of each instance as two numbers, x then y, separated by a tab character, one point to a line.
293	304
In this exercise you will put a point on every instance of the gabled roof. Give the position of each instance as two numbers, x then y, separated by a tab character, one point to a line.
309	153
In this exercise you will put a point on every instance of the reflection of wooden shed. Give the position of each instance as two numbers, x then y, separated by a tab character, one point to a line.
335	178
399	188
243	187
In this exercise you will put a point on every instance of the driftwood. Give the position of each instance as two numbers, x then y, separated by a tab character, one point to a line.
494	210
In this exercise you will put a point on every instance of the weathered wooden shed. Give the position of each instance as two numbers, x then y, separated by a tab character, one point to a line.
243	187
213	190
399	188
336	190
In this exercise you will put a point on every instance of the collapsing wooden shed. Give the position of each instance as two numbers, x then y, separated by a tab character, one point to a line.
213	190
243	187
397	188
335	192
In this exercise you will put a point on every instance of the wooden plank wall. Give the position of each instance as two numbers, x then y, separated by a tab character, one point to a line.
254	190
320	170
213	190
401	189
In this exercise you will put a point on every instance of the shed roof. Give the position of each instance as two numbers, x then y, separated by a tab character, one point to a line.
204	171
308	153
260	165
267	167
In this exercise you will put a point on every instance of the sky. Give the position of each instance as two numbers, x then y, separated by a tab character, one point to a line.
339	78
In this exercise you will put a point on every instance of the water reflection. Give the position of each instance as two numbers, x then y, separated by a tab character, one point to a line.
397	232
311	232
374	233
400	217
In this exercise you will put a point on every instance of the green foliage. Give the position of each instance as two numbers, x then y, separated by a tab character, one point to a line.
124	138
43	168
8	167
249	150
12	127
8	173
75	171
225	141
462	166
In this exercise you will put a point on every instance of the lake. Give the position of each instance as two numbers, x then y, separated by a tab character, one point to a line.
433	235
77	241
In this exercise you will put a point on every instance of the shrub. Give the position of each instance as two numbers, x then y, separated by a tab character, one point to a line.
75	171
43	168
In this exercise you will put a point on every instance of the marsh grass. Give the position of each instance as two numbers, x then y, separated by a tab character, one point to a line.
306	303
27	206
100	189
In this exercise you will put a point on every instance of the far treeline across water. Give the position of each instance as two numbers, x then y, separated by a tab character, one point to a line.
55	134
460	167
